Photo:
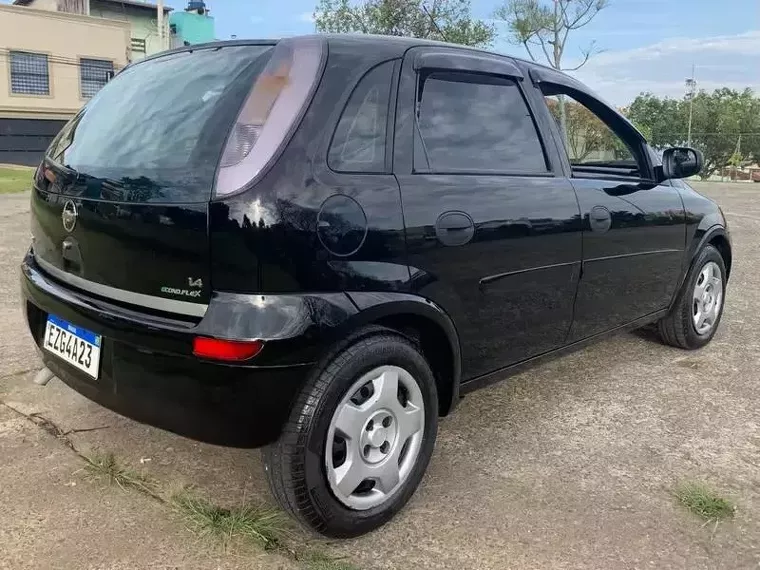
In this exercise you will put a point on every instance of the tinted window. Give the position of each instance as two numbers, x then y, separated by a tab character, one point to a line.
155	131
593	141
475	123
589	141
359	141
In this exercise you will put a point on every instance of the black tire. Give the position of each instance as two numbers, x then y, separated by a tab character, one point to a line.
295	465
677	328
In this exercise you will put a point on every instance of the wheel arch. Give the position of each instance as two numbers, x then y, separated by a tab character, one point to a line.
425	324
721	242
715	235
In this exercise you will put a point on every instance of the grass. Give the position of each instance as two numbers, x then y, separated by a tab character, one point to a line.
106	466
264	526
252	524
15	179
703	501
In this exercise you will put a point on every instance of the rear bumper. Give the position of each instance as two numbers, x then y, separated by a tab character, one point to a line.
148	373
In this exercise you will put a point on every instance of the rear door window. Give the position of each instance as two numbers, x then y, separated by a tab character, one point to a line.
359	141
155	132
475	123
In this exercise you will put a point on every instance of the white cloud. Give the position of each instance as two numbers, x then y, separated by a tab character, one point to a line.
307	17
730	61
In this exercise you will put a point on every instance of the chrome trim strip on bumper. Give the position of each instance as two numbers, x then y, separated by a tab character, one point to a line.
139	299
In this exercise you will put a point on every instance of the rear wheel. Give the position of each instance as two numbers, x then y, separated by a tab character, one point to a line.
694	319
359	438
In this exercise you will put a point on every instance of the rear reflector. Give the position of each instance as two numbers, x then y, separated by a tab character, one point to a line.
276	101
229	350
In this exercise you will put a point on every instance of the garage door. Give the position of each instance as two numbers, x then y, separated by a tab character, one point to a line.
23	141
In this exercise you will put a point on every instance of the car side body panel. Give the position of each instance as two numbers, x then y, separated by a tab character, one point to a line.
479	311
275	223
633	226
510	282
705	223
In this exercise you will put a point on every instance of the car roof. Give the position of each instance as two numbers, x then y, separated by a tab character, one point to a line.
403	43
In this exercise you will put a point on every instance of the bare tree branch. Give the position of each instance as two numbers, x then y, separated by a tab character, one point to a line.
577	67
586	54
579	15
543	47
563	6
530	53
547	23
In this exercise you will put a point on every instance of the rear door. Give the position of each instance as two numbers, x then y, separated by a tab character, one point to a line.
493	228
120	204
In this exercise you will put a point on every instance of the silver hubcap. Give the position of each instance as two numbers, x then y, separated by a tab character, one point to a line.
375	437
708	297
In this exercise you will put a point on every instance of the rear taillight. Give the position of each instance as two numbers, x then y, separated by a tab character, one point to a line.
277	99
228	350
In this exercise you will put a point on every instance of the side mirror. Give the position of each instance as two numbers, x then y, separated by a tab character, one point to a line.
681	162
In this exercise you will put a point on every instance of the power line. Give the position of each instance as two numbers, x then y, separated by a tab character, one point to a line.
57	59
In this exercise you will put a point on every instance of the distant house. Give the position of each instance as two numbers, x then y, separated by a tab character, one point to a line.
193	25
56	54
142	18
51	63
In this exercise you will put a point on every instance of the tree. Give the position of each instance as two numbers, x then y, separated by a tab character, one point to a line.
586	134
535	24
659	119
720	118
444	20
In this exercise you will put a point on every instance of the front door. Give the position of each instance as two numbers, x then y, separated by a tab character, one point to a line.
633	226
493	228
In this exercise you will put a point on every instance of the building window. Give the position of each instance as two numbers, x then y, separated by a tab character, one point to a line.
94	74
29	73
138	45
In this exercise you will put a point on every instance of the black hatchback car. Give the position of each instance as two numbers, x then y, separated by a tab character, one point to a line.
317	245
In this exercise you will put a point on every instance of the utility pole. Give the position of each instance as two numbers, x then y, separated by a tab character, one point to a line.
556	46
160	20
736	159
691	86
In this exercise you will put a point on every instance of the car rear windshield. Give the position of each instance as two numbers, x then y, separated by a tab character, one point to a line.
155	132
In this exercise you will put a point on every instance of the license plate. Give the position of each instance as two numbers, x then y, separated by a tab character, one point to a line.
77	346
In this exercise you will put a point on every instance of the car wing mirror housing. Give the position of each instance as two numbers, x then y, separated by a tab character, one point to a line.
681	162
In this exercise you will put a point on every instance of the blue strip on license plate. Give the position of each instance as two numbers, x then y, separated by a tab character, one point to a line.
84	334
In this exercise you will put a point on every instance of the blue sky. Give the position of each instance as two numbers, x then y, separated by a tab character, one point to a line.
649	45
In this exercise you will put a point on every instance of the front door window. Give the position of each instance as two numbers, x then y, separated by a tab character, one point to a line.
594	145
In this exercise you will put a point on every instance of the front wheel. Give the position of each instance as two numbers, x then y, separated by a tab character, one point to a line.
694	319
359	438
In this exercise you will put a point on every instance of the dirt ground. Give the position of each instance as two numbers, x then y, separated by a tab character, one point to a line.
569	465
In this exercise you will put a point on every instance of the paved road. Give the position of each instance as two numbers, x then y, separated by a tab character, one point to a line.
568	465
